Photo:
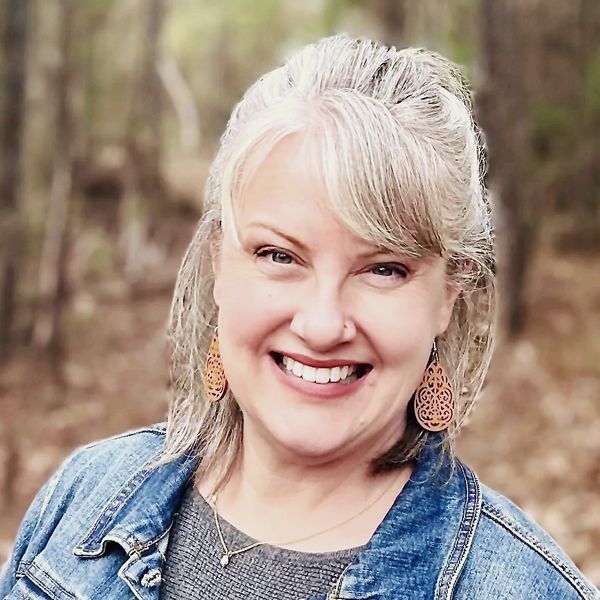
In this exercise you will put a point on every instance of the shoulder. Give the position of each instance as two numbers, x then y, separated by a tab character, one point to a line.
513	557
131	448
126	450
110	461
91	481
100	469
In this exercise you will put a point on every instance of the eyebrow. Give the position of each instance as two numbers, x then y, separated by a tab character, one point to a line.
369	254
276	231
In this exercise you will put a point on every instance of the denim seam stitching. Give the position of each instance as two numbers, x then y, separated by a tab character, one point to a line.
141	547
513	528
464	539
124	435
476	497
31	574
108	512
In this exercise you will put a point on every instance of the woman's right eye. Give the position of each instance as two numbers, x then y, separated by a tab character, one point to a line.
276	255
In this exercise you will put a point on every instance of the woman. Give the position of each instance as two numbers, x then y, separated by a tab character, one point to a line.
331	328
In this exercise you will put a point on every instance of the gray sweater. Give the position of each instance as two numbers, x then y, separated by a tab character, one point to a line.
193	570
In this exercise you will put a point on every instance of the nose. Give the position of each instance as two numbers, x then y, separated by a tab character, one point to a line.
321	321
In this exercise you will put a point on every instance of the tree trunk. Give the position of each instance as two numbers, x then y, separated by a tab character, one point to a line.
144	184
151	100
184	104
391	15
11	132
504	106
52	286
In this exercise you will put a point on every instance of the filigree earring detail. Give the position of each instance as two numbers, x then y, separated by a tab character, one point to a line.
434	399
215	382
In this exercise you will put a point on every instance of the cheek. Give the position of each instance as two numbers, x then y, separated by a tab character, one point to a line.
400	328
249	307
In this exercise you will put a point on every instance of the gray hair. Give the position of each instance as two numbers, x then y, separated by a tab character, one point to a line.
401	157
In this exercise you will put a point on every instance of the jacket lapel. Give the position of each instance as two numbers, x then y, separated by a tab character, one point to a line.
419	549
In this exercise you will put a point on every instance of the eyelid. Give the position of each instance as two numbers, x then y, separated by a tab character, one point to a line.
391	264
400	273
263	251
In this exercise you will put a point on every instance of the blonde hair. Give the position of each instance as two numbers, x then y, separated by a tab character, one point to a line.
393	137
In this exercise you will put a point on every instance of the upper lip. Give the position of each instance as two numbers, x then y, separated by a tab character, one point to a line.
315	362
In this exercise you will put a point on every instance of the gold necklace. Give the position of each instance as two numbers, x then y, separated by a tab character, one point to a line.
228	554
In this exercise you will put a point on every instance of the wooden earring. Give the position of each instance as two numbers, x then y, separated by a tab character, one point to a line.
215	382
434	399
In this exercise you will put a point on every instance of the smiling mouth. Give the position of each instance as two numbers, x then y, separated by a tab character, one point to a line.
339	374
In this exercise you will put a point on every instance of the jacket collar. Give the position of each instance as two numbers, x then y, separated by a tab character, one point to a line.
141	512
423	542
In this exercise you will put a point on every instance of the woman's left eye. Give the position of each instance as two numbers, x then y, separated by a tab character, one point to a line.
390	270
276	256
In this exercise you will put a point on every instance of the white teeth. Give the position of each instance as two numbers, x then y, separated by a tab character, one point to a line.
318	375
309	374
336	374
323	375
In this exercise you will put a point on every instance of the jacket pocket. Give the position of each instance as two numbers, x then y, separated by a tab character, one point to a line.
35	583
25	589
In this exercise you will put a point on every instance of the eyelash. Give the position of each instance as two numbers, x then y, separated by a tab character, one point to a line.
397	270
272	252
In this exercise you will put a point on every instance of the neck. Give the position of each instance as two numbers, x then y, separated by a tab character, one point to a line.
275	497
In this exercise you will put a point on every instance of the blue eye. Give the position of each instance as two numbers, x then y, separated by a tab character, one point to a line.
281	257
277	256
389	270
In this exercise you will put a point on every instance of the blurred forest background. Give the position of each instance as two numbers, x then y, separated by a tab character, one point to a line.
110	111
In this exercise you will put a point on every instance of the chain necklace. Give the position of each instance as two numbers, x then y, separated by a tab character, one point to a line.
228	554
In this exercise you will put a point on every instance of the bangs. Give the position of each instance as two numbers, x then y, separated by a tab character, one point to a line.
382	178
252	145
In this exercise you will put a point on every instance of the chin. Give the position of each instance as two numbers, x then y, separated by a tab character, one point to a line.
314	440
311	451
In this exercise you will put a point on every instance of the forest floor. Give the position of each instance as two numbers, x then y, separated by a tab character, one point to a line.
534	436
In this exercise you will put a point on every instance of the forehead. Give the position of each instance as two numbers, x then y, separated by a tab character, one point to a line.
287	193
288	167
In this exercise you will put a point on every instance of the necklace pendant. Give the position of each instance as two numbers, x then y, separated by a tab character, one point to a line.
224	560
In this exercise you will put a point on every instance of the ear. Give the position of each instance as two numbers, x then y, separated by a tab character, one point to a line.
215	259
447	307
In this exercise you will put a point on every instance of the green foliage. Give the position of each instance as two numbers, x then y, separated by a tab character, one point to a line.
100	255
99	6
221	48
552	121
461	49
591	89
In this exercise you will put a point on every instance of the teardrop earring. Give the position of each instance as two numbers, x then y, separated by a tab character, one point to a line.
215	382
434	399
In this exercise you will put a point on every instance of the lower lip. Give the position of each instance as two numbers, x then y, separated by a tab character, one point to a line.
318	390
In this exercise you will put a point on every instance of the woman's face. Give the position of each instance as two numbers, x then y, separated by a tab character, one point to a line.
323	337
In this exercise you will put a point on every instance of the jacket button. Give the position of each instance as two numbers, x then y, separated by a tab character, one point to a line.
152	578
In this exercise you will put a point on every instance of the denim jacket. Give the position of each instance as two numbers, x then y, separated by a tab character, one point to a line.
99	530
